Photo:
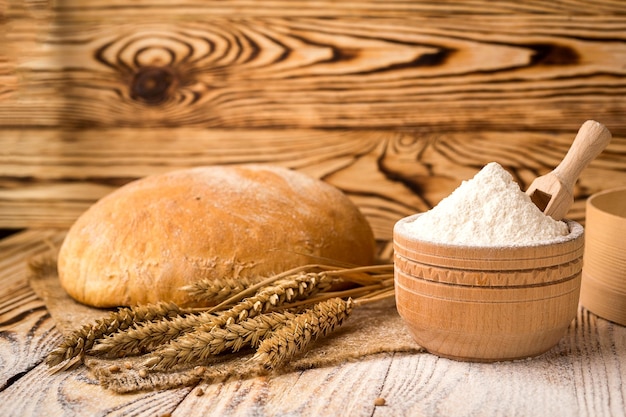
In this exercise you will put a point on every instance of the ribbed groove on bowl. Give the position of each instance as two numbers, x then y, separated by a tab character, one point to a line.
490	278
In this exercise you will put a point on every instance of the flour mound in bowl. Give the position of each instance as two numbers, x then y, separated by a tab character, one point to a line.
487	210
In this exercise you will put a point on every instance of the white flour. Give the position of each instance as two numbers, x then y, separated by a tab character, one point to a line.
488	210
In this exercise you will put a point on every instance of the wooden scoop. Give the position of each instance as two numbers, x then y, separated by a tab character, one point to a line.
553	192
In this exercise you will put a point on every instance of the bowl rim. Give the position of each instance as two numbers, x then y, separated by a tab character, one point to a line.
576	232
592	204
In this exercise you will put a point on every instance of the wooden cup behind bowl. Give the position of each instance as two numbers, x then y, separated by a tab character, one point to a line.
487	304
603	289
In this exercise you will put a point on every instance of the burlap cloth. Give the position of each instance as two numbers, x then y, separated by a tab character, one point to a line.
371	329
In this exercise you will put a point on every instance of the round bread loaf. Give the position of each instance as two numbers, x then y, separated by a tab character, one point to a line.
147	239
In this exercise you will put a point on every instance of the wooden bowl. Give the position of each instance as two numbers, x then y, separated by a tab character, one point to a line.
487	304
603	289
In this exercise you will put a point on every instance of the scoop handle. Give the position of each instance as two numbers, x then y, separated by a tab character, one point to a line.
590	141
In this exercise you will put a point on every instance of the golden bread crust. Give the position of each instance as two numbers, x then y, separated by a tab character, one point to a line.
149	238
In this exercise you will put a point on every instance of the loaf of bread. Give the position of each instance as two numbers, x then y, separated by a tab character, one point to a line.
146	240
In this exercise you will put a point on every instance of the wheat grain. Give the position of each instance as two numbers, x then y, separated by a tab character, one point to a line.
306	327
81	340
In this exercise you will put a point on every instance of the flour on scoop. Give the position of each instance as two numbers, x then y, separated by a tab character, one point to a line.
488	210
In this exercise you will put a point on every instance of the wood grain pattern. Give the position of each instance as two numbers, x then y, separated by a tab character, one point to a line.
49	177
26	329
394	103
326	7
583	375
77	394
194	68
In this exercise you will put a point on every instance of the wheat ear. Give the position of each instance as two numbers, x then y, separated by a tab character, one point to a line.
198	346
215	291
283	292
299	332
148	336
79	341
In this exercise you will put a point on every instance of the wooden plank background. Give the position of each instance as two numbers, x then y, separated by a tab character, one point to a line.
393	102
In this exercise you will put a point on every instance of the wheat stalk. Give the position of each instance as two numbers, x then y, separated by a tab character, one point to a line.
148	336
258	316
364	275
79	341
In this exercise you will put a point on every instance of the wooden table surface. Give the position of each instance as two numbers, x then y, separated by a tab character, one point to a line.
393	102
584	375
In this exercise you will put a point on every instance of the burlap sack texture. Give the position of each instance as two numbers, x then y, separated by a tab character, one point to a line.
371	329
